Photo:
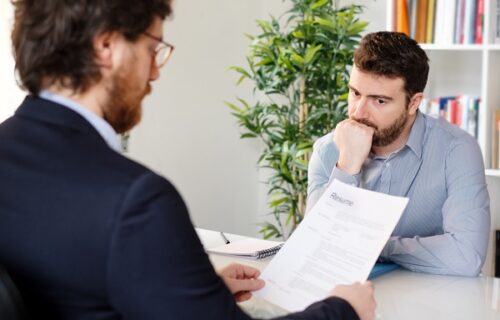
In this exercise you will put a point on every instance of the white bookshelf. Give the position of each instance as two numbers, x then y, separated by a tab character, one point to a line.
471	69
493	172
452	47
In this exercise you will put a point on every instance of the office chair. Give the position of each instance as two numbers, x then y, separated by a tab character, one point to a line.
11	303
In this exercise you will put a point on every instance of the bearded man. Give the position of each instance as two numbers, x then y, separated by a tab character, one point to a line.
387	145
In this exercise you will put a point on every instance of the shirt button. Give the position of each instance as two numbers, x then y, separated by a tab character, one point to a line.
387	164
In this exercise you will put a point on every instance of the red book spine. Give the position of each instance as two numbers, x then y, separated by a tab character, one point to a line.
479	21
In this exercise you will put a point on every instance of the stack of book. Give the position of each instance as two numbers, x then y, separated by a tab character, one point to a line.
461	111
440	21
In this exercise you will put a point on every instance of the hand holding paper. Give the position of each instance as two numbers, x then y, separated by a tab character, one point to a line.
338	242
241	280
360	297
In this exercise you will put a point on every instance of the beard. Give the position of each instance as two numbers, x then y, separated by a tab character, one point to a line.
124	108
384	137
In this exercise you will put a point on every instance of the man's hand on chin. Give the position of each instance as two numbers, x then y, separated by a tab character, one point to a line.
354	141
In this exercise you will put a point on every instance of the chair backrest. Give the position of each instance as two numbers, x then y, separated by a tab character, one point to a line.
11	303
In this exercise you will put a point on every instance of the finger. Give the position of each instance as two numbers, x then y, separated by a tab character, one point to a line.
242	296
246	284
250	272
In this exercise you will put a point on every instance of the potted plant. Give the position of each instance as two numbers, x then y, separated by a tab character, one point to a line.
300	64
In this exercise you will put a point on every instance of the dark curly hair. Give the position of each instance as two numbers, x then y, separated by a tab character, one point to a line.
394	55
52	40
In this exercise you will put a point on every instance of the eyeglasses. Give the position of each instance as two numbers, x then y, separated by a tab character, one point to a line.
162	51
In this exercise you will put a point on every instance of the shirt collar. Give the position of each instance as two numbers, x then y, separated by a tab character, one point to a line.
102	127
416	138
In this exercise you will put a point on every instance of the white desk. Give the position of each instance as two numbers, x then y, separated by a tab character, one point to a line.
400	295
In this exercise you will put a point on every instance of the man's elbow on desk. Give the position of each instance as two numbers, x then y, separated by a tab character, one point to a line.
462	260
469	266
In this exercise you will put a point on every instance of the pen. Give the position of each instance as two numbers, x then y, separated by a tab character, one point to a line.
224	238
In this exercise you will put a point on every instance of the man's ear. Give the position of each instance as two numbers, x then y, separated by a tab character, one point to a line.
104	45
415	103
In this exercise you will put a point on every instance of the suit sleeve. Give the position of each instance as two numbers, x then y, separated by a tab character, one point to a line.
158	269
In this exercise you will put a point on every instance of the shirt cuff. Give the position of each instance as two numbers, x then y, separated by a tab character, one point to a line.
344	177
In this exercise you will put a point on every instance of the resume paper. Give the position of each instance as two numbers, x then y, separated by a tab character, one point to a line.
338	242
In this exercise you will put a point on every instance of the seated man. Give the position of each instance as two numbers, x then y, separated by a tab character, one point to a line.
387	145
85	232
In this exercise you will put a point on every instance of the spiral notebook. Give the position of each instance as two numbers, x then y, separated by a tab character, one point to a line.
248	248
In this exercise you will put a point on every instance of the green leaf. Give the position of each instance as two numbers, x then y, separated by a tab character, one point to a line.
264	25
279	201
318	4
298	60
244	103
357	27
344	96
248	135
330	24
240	80
233	107
298	34
264	62
311	52
249	36
240	70
269	231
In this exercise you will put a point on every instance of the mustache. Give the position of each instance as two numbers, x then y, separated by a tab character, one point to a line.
366	123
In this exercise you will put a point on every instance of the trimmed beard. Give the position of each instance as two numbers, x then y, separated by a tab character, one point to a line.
385	137
124	108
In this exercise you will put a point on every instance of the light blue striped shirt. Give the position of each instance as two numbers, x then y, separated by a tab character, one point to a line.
105	130
445	227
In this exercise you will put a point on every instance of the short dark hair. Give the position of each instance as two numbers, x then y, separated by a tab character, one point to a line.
394	55
52	40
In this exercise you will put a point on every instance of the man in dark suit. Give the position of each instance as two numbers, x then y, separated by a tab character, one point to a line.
85	232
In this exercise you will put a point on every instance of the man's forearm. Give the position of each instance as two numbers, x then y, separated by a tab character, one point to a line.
441	254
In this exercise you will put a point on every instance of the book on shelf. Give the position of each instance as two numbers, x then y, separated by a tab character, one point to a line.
479	22
495	139
441	22
459	22
462	111
412	16
421	21
429	30
402	24
496	35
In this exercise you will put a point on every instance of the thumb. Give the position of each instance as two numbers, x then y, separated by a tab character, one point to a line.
238	285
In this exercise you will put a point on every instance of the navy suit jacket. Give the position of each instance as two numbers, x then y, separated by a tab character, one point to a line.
87	233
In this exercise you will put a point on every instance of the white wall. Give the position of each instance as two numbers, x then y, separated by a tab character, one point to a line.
11	94
187	132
